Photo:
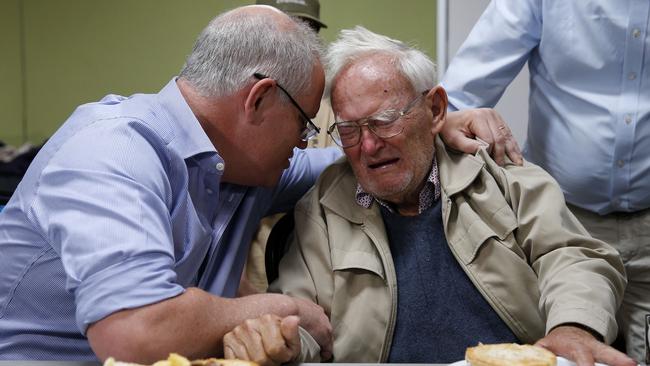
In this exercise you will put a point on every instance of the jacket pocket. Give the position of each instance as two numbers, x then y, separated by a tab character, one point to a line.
470	238
357	260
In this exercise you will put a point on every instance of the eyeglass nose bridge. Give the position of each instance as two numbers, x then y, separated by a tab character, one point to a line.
371	126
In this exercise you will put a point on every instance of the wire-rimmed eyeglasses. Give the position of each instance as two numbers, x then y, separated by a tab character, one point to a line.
310	130
384	124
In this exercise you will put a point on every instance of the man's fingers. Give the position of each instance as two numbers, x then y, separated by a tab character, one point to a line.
316	322
275	344
233	348
499	153
610	356
514	153
583	357
458	141
249	335
485	124
579	346
503	140
461	128
501	133
289	330
510	145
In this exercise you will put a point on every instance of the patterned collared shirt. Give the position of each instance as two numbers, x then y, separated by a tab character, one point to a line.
428	196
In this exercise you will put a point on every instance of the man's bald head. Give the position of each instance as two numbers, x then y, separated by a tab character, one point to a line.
247	40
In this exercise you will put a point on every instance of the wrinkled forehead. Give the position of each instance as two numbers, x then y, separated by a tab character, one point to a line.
367	86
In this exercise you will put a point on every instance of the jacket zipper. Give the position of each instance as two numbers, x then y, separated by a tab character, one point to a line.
391	279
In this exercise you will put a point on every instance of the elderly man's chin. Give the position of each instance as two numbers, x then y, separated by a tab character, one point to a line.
389	188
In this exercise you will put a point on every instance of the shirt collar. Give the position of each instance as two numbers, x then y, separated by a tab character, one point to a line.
188	139
428	196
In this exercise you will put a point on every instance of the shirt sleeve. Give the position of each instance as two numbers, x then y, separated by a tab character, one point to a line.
306	166
493	54
103	205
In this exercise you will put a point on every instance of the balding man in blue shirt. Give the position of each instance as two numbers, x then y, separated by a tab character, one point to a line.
125	236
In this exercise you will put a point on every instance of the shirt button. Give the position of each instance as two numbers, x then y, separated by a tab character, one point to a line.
620	163
628	119
209	191
220	166
636	33
631	76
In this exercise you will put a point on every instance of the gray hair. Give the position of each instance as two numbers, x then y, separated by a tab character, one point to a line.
235	45
356	43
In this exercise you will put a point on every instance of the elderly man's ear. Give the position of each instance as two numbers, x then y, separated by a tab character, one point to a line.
438	99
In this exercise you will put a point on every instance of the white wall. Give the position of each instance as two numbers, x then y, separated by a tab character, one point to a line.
461	16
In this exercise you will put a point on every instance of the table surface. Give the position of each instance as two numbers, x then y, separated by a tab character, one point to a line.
81	363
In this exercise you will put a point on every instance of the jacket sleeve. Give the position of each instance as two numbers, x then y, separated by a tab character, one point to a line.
493	54
580	279
305	270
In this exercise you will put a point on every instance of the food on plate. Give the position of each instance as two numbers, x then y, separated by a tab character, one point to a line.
178	360
509	354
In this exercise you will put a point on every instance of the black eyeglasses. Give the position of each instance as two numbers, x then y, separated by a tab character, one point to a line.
310	130
385	124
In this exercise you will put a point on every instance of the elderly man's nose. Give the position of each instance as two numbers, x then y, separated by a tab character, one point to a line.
370	142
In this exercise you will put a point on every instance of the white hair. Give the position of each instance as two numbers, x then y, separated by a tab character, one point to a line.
235	45
353	44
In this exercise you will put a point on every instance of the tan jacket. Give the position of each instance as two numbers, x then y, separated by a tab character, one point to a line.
508	228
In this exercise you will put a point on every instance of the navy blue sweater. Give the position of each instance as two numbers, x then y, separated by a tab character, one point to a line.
440	312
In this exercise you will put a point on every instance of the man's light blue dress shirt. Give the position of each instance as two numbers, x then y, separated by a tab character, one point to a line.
124	207
589	117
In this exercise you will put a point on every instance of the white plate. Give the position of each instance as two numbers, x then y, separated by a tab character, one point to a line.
560	362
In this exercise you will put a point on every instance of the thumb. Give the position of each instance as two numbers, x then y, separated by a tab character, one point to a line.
462	143
541	343
289	330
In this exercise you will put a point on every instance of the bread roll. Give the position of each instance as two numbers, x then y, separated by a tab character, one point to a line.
178	360
509	354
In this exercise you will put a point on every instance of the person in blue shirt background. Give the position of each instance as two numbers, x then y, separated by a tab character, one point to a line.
589	117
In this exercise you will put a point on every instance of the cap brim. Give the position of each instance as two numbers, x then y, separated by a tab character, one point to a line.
312	18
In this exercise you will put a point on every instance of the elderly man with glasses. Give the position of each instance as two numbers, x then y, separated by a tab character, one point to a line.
416	251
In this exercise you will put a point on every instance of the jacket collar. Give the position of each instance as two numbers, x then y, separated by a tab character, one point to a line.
457	171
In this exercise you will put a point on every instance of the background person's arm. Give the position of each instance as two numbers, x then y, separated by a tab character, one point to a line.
488	60
493	54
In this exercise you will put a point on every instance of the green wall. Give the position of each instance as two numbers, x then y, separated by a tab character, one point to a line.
58	54
11	73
